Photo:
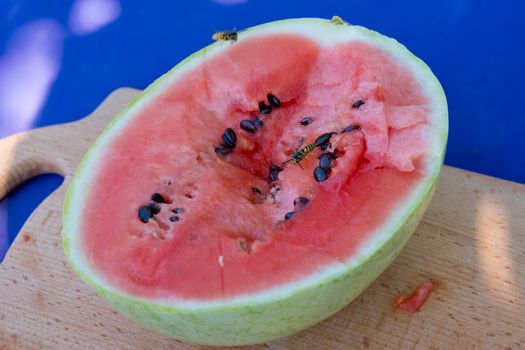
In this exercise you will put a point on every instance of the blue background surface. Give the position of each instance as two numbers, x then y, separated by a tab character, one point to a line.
59	59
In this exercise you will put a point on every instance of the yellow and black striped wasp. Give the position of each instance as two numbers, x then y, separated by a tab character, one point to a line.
303	152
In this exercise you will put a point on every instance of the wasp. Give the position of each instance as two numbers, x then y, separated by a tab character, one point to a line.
225	36
303	152
337	20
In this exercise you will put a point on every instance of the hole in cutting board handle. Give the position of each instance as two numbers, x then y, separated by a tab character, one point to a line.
26	178
18	205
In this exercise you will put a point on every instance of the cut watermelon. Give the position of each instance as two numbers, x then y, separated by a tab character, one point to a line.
261	184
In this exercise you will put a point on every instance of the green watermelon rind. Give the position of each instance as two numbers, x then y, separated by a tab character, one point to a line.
284	310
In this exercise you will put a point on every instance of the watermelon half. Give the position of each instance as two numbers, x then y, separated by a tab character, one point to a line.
260	185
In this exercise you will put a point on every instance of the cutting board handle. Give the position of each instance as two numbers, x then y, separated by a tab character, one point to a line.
30	153
55	149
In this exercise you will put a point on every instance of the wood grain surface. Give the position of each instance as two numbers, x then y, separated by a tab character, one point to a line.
472	239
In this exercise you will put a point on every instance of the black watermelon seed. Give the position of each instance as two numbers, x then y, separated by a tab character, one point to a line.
145	214
178	210
227	144
352	127
229	138
325	146
274	172
264	108
358	104
257	122
174	218
256	190
301	201
222	150
157	197
320	174
231	134
248	126
324	138
325	161
288	215
274	101
306	121
155	209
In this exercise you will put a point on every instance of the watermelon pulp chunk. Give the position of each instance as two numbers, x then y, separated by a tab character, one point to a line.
226	244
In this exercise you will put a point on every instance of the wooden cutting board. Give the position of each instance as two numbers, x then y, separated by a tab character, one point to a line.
472	239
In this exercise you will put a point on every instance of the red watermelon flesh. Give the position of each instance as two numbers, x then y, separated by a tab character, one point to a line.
231	241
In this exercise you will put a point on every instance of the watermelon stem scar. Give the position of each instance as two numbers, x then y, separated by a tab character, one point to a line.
219	240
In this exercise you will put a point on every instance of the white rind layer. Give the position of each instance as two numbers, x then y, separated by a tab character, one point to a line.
286	309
